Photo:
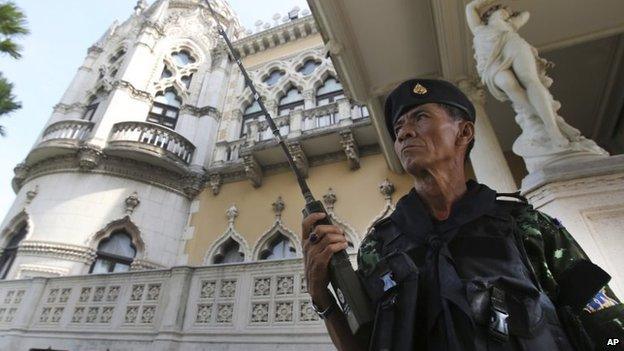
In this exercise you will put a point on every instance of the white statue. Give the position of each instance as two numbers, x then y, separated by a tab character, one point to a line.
512	70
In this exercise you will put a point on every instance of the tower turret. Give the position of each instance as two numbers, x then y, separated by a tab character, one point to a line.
107	185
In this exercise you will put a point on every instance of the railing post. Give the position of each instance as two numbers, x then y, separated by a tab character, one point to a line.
296	119
29	303
344	113
174	304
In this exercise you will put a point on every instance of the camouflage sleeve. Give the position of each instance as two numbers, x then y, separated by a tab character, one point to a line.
368	255
603	317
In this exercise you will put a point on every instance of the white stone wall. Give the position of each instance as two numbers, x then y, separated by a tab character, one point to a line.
260	306
70	208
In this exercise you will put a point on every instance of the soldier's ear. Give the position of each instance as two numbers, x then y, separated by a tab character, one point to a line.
465	133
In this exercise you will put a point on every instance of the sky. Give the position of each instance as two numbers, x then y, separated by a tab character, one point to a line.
61	31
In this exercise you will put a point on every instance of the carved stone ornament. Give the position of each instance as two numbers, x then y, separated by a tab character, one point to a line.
21	172
31	194
278	207
215	180
89	157
546	138
329	199
350	148
231	213
253	171
299	156
387	189
194	183
132	202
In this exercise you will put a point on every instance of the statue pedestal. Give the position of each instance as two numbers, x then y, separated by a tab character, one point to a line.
588	198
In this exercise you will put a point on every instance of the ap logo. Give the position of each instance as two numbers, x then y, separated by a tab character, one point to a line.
613	342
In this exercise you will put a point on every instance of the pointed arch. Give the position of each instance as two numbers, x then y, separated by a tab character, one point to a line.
385	212
285	85
273	233
21	218
123	224
352	237
229	234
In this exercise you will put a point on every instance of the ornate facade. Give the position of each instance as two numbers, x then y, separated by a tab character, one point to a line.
157	212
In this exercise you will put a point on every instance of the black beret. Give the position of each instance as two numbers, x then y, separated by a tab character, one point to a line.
416	92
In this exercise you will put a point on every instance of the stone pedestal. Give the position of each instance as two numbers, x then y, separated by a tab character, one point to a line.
588	198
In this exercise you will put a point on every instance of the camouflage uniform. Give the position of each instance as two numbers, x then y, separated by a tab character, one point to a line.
551	250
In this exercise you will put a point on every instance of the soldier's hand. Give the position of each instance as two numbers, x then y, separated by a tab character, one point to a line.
319	244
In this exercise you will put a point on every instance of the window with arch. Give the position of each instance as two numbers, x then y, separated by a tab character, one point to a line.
229	252
165	108
330	91
251	113
273	77
92	104
117	55
166	73
279	248
114	254
10	250
292	100
308	67
182	58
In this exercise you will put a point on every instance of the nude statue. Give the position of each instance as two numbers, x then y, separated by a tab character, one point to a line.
509	66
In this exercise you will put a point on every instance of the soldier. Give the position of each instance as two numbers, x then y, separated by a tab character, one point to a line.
454	267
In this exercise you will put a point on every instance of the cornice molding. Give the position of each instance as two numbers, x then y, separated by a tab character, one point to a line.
276	36
77	253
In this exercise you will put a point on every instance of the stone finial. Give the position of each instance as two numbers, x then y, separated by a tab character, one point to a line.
231	214
131	202
258	24
276	17
278	207
30	194
329	199
387	189
141	5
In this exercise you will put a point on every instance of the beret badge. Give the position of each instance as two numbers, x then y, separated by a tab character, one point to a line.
419	89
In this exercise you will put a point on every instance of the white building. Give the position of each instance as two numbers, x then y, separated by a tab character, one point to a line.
155	212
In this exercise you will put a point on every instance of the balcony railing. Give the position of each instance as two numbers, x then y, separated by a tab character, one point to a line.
68	130
260	303
156	138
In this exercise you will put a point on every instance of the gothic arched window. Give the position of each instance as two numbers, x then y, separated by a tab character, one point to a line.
252	112
229	252
292	100
182	58
92	105
330	91
117	55
114	254
10	250
165	108
273	77
280	247
308	67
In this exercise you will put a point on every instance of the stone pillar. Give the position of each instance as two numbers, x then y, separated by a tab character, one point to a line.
309	100
344	113
173	307
296	120
487	158
588	199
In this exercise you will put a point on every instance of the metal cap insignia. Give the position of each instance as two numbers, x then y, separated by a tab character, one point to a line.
419	89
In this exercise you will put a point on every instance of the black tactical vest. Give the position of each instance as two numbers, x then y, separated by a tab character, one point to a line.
508	310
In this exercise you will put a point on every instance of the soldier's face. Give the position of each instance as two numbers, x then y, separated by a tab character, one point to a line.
425	137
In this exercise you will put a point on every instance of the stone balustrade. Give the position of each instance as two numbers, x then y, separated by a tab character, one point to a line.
67	130
152	137
339	113
266	300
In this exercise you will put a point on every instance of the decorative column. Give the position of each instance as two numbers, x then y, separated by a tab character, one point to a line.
296	123
487	158
344	112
